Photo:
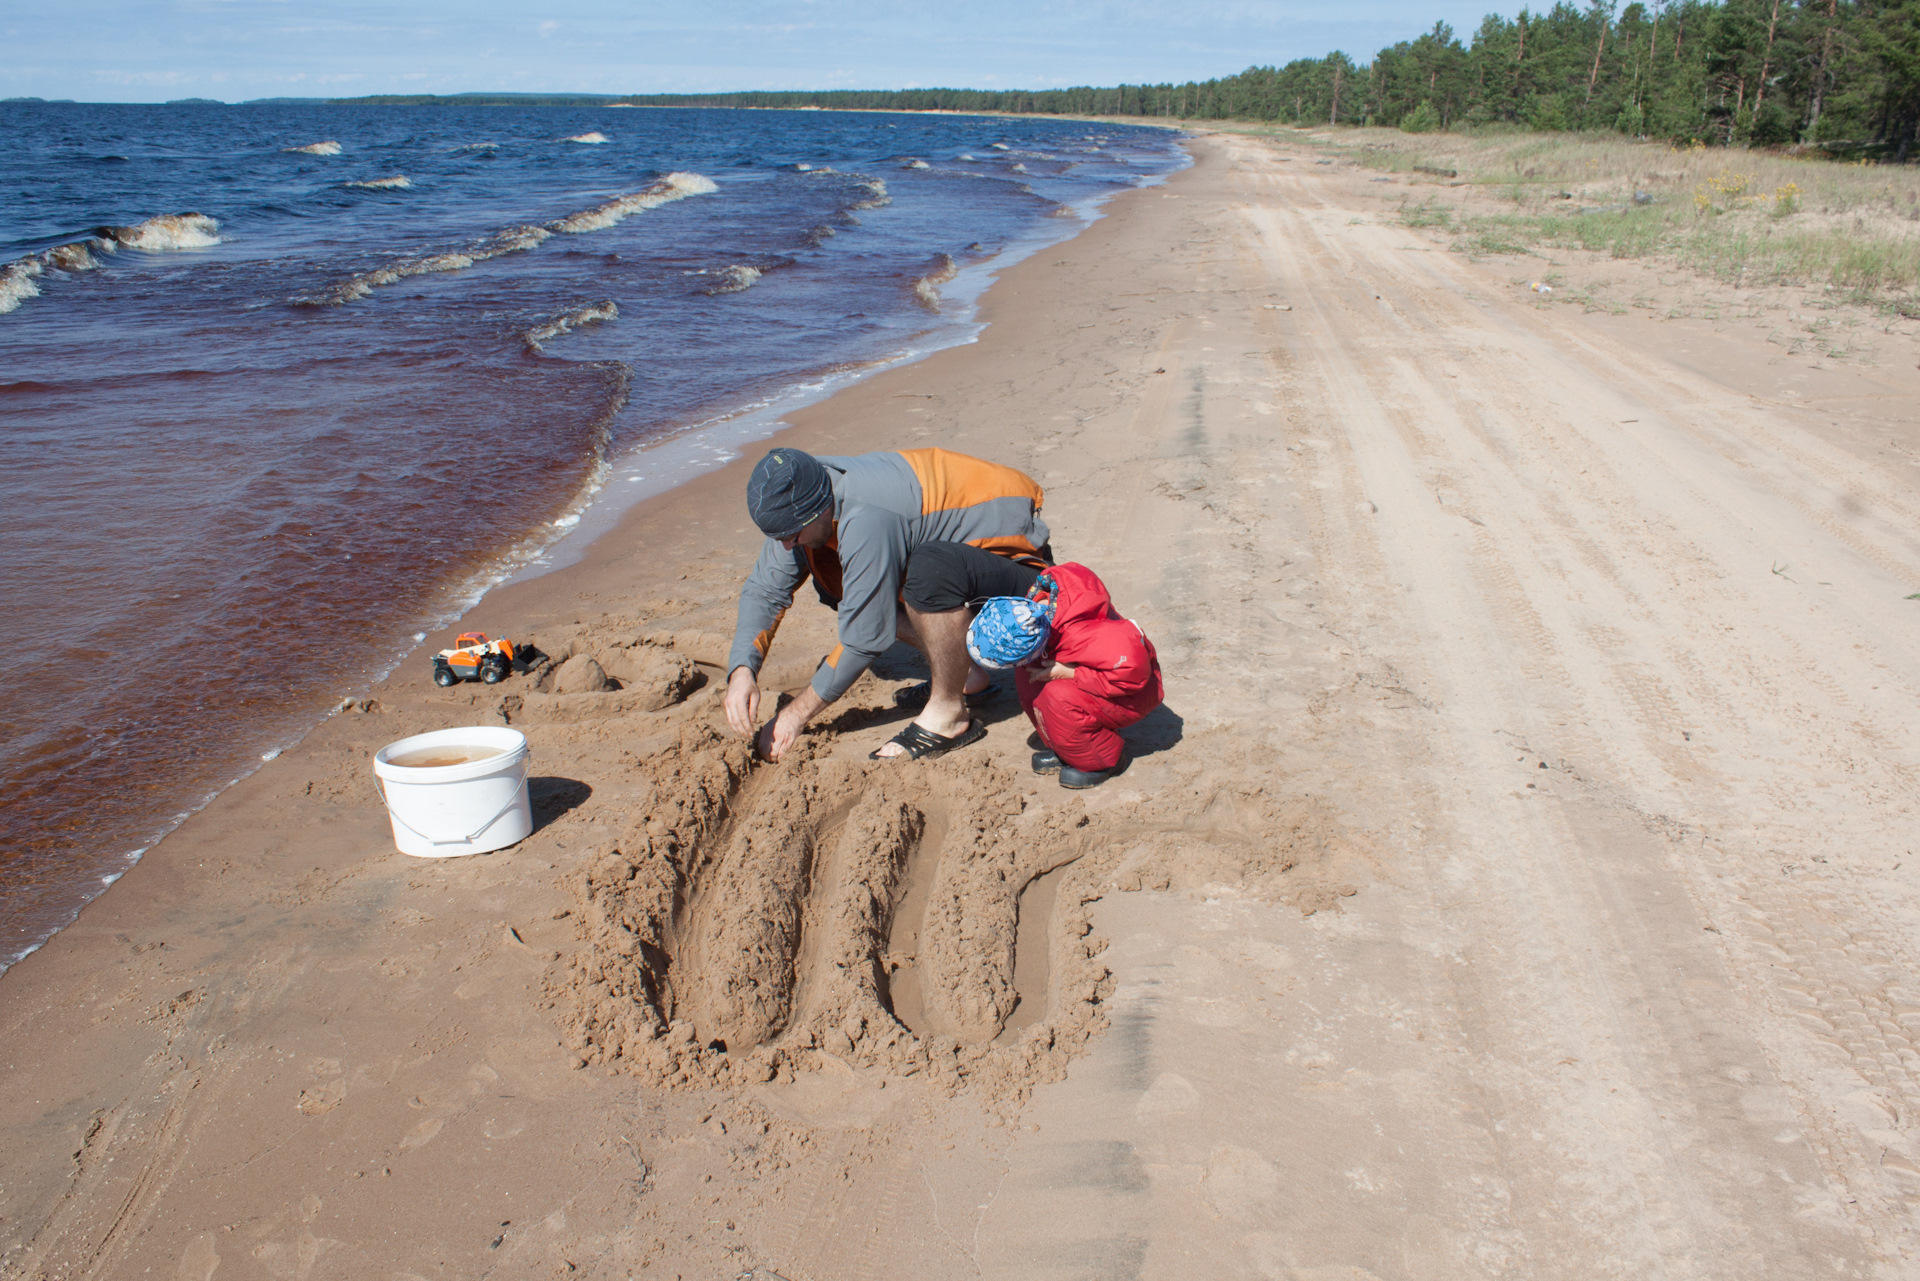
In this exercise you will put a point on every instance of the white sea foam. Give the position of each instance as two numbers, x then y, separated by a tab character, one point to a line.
915	163
735	278
512	240
927	288
876	195
17	278
398	181
594	138
168	231
315	149
1001	146
1019	168
675	186
479	146
568	321
16	282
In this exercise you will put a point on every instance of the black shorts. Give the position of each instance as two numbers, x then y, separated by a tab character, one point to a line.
942	577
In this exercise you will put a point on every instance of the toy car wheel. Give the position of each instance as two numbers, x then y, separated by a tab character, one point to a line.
494	670
443	676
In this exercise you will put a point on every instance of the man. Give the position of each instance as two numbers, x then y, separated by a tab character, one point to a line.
898	544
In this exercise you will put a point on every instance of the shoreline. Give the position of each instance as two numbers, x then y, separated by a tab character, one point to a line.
597	509
761	421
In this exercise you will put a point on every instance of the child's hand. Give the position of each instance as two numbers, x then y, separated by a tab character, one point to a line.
1040	674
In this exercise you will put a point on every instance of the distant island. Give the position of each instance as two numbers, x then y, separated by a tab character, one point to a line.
469	100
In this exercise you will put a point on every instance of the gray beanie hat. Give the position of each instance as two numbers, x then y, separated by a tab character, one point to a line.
787	490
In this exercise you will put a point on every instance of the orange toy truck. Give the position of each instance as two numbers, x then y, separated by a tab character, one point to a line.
474	657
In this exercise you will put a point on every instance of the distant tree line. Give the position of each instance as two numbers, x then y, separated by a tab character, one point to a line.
1843	75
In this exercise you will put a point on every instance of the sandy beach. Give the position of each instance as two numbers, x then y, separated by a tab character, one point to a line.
1518	881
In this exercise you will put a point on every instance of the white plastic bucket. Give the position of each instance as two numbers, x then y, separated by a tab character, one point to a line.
469	808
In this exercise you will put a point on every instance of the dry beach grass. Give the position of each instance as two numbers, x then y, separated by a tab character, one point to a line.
1741	217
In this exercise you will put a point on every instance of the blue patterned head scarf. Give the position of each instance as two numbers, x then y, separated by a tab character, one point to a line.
1008	631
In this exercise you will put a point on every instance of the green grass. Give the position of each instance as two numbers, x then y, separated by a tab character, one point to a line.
1427	215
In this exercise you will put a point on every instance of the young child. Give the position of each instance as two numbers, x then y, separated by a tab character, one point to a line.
1082	670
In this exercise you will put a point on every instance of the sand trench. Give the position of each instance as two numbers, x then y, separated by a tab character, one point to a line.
757	921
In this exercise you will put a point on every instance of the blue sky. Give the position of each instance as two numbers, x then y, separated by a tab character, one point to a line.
235	49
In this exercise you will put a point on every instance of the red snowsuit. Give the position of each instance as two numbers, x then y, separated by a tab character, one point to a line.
1116	677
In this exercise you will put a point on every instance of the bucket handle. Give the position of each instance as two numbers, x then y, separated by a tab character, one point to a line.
513	800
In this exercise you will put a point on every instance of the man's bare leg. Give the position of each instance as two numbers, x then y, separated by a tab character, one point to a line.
977	679
943	639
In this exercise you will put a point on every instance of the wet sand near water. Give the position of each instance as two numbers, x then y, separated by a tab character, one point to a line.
1514	883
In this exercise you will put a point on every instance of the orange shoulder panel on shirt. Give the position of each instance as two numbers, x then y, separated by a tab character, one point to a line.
1012	546
949	480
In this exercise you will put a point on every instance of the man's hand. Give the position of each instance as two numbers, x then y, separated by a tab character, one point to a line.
783	731
777	735
1041	673
743	700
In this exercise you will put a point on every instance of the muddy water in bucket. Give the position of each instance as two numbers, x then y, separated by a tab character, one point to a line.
440	757
456	791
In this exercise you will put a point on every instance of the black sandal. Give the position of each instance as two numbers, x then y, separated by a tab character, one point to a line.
917	695
923	744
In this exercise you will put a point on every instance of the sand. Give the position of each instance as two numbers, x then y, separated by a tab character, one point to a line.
1517	882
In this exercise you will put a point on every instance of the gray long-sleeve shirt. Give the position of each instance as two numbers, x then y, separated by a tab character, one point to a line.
884	506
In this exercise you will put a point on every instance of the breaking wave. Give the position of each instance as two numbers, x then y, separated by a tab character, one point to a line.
399	181
927	287
512	240
315	149
876	195
593	138
914	162
479	146
735	278
675	186
18	279
168	231
568	321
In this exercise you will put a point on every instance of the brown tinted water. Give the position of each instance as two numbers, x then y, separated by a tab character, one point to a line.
439	757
